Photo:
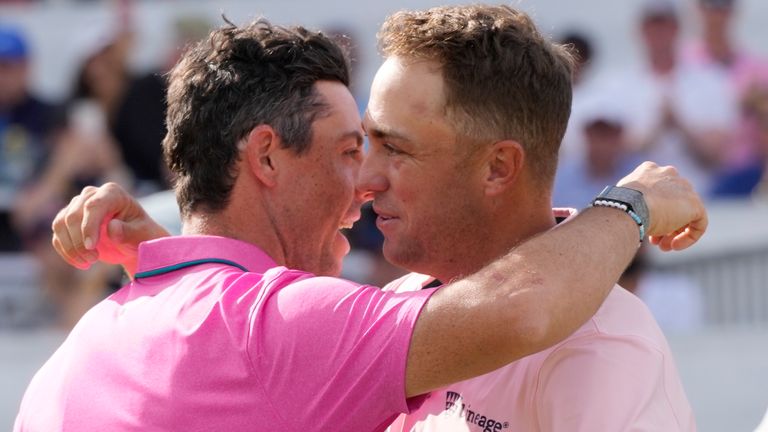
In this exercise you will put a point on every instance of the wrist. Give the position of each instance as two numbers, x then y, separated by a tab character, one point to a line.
628	200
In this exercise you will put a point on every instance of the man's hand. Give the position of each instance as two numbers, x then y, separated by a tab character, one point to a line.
103	224
677	215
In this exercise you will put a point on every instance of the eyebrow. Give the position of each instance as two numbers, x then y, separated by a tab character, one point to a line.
382	131
352	134
385	132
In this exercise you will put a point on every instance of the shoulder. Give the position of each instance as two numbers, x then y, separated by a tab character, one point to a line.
620	343
408	282
297	293
307	288
623	326
624	314
622	337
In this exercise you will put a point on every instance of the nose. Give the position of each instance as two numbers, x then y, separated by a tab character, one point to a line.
371	178
363	195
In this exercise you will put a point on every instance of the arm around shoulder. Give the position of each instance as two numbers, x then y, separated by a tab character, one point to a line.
547	287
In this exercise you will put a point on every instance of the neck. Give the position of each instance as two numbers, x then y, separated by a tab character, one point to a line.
245	219
507	228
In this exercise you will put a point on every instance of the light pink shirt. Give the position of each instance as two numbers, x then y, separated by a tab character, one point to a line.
615	373
193	345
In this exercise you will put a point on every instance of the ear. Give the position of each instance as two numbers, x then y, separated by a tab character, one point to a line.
261	146
504	164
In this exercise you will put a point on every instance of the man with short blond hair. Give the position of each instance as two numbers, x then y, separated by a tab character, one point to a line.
471	105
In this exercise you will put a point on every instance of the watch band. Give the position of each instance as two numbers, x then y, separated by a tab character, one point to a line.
629	200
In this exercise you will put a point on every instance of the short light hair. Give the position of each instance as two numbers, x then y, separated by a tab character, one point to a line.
503	78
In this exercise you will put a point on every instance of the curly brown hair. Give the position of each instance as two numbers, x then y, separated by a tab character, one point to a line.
503	78
231	82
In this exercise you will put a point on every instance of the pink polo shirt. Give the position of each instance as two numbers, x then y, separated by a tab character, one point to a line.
214	336
616	373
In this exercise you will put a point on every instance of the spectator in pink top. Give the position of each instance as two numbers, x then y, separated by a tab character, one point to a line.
716	48
264	139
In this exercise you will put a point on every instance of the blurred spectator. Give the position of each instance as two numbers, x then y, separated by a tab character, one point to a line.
582	48
750	178
27	132
679	115
584	83
344	34
605	157
85	153
715	48
139	126
675	301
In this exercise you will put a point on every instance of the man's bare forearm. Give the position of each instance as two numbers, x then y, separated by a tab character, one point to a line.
566	273
545	288
530	299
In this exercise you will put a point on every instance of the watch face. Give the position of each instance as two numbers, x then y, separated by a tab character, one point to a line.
632	198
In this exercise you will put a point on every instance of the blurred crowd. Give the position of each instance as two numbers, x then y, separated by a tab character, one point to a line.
698	103
109	128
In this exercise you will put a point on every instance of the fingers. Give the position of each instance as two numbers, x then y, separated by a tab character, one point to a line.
116	231
682	238
99	206
66	254
690	235
67	238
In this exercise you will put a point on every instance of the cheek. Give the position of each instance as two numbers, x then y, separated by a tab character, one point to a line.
335	188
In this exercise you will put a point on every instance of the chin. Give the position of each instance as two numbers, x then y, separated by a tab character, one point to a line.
330	268
407	258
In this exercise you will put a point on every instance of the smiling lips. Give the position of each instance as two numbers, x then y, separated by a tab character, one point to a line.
383	217
350	220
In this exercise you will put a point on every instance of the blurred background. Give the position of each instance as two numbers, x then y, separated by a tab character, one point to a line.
678	82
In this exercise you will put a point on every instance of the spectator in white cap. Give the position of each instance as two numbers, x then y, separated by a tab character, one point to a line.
605	153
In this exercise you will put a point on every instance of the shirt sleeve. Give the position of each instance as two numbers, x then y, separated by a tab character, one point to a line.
332	353
609	384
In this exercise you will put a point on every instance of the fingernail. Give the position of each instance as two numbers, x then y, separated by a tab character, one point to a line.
88	243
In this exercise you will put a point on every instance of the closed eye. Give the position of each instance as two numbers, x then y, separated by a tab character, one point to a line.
356	153
391	150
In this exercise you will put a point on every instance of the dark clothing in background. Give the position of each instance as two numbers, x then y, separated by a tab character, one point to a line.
24	148
139	129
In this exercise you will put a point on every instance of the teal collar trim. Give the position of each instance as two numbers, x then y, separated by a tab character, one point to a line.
179	266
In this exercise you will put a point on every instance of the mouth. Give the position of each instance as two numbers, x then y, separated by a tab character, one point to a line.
383	214
349	221
384	220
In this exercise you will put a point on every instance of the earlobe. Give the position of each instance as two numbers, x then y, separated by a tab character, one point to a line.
504	163
260	150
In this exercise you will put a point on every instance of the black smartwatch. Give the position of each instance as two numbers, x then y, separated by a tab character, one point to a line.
628	200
